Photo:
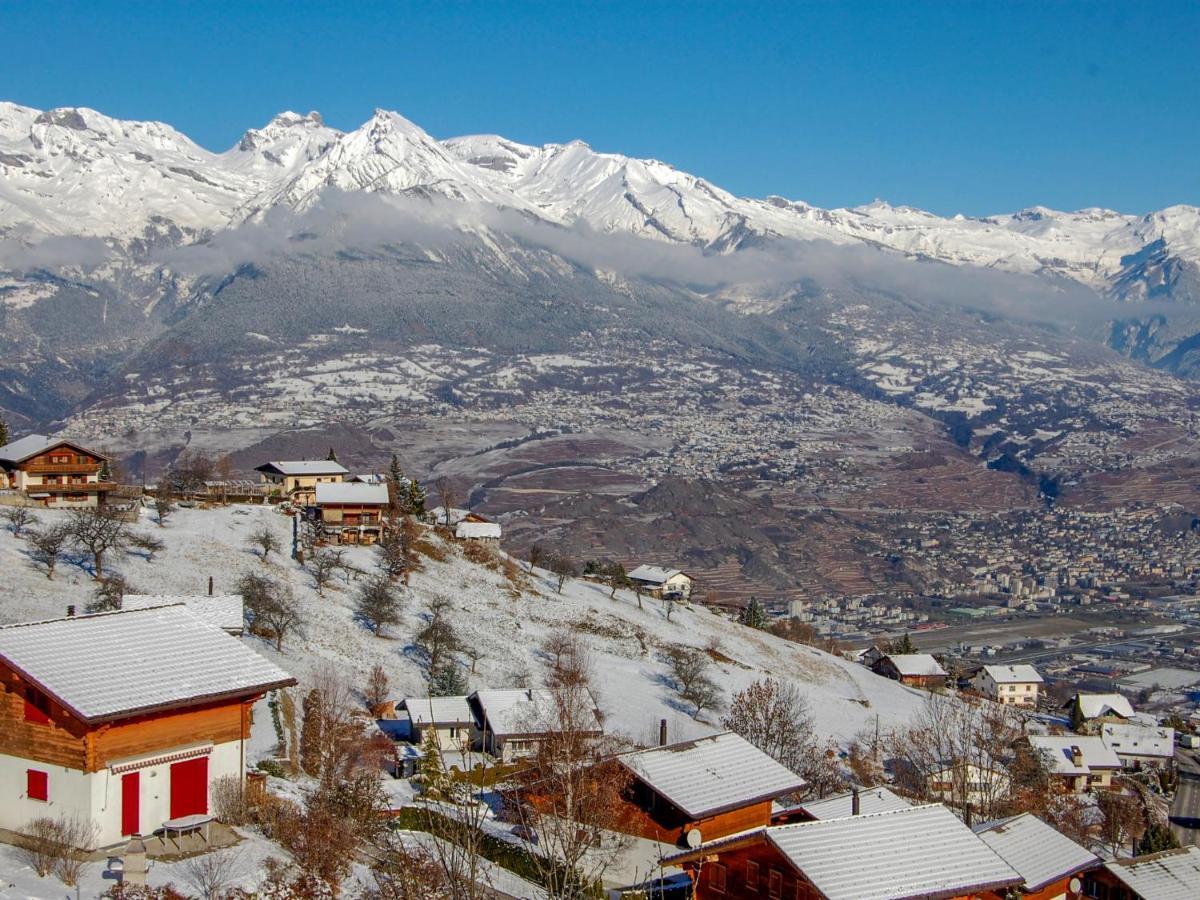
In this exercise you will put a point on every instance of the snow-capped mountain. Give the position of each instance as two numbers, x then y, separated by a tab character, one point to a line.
78	172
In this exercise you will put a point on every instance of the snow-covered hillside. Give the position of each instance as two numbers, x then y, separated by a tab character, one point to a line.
77	172
626	643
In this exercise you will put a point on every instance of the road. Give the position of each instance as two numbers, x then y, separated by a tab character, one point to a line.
1185	810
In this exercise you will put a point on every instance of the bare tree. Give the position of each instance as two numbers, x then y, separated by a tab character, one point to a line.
775	717
437	639
378	604
324	564
616	579
568	659
1122	822
265	540
376	691
99	530
147	544
212	874
562	567
59	845
109	594
48	545
19	518
191	471
394	552
271	607
164	500
447	491
689	670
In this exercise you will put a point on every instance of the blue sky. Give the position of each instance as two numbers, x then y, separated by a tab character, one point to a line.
954	107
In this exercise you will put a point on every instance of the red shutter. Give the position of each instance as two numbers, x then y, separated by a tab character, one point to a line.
189	787
37	785
131	803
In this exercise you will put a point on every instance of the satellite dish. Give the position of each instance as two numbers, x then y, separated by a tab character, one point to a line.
693	838
1074	885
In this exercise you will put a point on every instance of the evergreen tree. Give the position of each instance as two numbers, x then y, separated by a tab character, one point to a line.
310	734
906	645
4	436
416	498
430	770
1157	837
448	681
753	616
332	457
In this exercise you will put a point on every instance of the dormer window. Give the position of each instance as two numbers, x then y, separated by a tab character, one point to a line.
37	706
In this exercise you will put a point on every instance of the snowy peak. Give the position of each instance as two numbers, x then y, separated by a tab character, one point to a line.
280	148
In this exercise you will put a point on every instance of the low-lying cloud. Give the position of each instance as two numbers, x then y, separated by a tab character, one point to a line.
52	253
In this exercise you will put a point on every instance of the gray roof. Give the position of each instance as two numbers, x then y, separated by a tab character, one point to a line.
223	610
304	467
438	710
116	664
654	574
711	774
916	664
870	800
521	711
1060	751
33	444
1014	674
1170	875
1040	853
353	492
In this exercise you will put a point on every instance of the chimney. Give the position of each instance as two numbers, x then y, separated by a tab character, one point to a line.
210	585
1076	755
855	802
967	817
662	733
71	611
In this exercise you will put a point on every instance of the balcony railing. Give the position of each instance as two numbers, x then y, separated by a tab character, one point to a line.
63	468
85	488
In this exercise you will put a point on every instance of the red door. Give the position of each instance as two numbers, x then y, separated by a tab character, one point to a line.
189	787
131	803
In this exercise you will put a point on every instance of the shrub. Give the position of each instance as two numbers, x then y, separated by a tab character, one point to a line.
58	845
229	801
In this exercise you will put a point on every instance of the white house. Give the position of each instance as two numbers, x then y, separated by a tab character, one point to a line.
1081	762
124	718
1013	685
298	479
513	723
1139	745
663	582
1089	711
487	532
449	718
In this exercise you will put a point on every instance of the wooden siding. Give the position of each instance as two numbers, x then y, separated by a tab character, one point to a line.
648	815
59	742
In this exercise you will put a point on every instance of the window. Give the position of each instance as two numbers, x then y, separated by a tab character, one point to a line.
716	878
37	785
775	884
751	875
37	706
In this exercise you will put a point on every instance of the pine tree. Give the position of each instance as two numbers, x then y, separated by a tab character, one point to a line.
310	734
430	769
332	457
4	437
906	645
448	681
753	616
416	498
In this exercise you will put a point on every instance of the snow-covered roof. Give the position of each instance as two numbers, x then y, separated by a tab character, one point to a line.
654	574
223	610
34	444
353	492
1060	752
523	711
916	664
918	851
1040	853
477	530
304	467
1132	739
711	774
438	710
1094	706
1018	674
113	665
456	515
1170	875
870	800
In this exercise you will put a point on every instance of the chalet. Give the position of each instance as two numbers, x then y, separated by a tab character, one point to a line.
450	719
702	789
297	480
1169	875
865	801
1089	711
903	854
1015	685
483	532
1080	762
1140	746
124	718
226	611
513	723
968	782
1047	861
54	472
662	582
352	513
913	669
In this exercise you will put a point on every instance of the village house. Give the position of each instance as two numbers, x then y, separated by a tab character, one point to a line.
449	719
297	480
914	669
903	854
1081	762
1047	860
226	611
1089	711
1140	746
661	582
54	472
968	783
483	532
124	718
864	801
513	723
1169	875
352	513
702	789
1014	685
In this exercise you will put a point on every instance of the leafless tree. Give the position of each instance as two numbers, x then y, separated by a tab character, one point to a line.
48	545
376	691
562	566
324	563
378	604
19	518
147	544
211	874
438	638
689	670
109	594
1122	821
568	659
164	500
393	552
271	607
99	530
265	540
190	471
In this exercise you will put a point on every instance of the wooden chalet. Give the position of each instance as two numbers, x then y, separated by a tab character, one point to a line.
904	854
124	718
702	789
1168	875
1048	861
352	512
297	480
53	471
914	669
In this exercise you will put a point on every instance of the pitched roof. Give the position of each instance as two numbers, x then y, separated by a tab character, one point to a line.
118	664
223	610
1059	750
33	444
1041	854
304	467
1018	674
1133	739
654	574
1170	875
353	492
466	530
915	664
916	852
523	711
1093	706
710	774
870	800
438	710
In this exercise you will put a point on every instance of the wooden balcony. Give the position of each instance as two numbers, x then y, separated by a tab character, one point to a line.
91	487
62	468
